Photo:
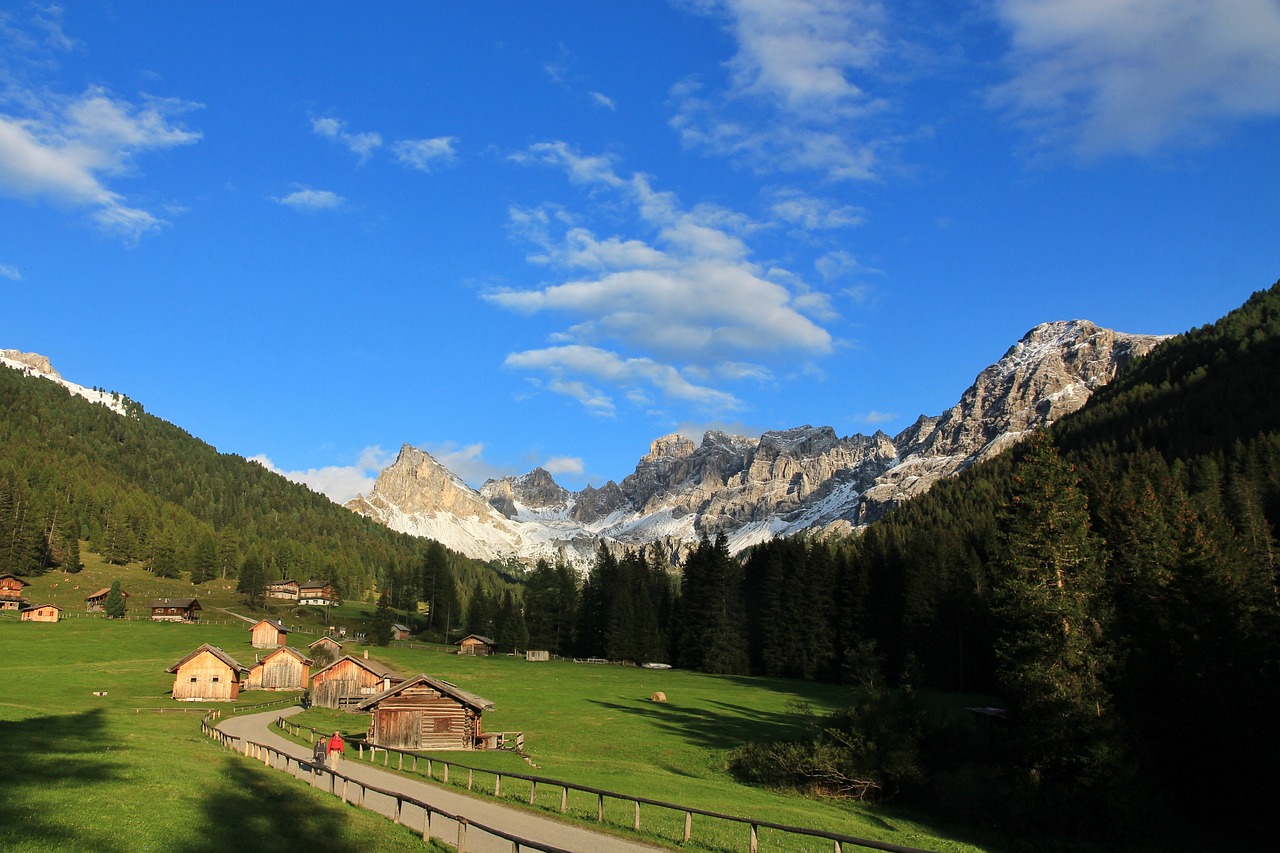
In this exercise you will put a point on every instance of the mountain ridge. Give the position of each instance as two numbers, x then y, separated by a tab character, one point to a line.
802	479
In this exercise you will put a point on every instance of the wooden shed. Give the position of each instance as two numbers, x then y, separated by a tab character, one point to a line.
400	631
11	587
207	675
283	669
326	644
322	593
426	713
348	681
286	589
474	644
175	610
268	634
97	603
40	613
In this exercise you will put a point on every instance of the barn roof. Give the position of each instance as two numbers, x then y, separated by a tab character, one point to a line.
217	653
281	582
379	669
175	602
399	627
324	640
38	606
286	650
444	687
106	590
14	577
315	584
273	623
483	639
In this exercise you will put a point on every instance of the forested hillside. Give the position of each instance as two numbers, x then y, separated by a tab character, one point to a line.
136	488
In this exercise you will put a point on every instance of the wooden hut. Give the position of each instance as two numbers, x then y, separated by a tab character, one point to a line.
474	644
349	681
400	631
175	610
426	713
537	655
40	613
11	587
268	634
286	589
283	669
97	603
207	675
320	593
326	644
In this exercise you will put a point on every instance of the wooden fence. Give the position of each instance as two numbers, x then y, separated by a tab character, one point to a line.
354	792
838	840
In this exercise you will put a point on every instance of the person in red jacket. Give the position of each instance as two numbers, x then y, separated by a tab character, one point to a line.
335	749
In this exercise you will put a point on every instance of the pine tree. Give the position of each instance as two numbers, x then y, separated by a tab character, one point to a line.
383	619
114	605
252	581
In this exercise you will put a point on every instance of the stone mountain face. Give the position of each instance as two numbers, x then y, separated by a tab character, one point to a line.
753	489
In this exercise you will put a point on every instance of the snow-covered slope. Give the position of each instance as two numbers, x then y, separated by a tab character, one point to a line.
37	365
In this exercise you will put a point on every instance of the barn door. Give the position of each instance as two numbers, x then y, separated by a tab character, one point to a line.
399	729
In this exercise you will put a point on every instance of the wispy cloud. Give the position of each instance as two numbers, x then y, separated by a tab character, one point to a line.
340	483
602	100
572	465
311	201
790	101
10	272
361	144
426	154
657	311
1132	76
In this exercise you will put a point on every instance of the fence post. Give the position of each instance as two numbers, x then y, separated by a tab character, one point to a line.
426	823
470	775
396	817
462	833
755	839
564	799
637	815
446	773
533	792
415	764
688	826
600	808
497	784
400	762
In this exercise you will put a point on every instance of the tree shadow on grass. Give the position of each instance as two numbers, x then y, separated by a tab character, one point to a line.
51	752
713	725
258	811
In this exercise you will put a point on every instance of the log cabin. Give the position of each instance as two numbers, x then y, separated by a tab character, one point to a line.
97	603
11	587
175	610
283	669
400	631
268	634
322	593
40	613
474	644
348	681
207	675
426	713
286	589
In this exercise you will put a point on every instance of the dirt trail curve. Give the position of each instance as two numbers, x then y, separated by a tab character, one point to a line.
257	728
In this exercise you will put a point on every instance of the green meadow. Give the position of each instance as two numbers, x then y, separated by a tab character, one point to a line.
90	772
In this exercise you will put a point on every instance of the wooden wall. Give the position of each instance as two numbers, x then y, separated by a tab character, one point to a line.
279	671
345	683
420	718
194	680
267	636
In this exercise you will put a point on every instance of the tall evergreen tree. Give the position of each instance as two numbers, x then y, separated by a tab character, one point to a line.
114	605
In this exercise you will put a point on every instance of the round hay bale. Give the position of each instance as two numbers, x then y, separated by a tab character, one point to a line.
658	696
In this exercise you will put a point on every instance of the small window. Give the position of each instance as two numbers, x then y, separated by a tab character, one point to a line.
215	679
193	679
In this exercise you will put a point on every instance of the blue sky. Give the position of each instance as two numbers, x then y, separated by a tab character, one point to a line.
520	234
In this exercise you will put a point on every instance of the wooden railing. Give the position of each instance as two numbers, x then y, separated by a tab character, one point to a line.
354	792
839	840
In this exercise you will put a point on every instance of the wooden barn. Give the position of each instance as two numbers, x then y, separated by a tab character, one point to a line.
474	644
207	675
426	713
537	655
400	631
348	681
175	610
40	613
283	669
326	645
320	593
286	589
268	634
11	587
97	602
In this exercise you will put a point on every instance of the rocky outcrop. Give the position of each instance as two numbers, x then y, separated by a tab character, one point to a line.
784	482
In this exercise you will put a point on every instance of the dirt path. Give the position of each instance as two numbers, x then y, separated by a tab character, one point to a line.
544	830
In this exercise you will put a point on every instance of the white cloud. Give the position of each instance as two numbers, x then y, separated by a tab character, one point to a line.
602	100
875	418
467	462
790	102
796	208
564	465
361	144
1131	76
10	272
426	154
340	483
66	149
310	200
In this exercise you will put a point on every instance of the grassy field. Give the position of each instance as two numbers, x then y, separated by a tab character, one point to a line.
79	759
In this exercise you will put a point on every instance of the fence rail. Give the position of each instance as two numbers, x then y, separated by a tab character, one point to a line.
838	840
354	792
